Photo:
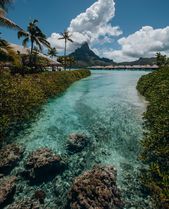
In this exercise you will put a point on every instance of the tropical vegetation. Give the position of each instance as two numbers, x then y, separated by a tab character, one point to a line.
35	36
7	54
155	87
22	97
67	37
24	86
52	52
162	60
23	90
67	61
4	21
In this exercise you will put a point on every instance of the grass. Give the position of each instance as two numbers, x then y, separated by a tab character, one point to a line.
155	87
22	97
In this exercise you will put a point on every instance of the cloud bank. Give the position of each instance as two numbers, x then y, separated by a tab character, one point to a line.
144	43
92	26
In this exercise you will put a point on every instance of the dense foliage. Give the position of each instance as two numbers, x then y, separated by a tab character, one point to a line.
21	97
162	60
155	87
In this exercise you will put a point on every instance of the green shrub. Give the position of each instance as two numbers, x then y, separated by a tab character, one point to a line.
22	97
155	87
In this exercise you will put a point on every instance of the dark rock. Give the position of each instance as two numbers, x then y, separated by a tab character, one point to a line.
7	190
95	189
1	175
43	164
40	195
77	142
10	155
25	204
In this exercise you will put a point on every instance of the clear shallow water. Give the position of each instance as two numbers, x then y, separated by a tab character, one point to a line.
109	109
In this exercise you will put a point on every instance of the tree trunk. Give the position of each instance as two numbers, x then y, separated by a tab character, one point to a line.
65	55
30	58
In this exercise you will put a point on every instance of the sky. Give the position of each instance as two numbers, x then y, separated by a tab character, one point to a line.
122	30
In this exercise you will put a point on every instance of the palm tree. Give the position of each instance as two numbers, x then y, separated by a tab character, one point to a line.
5	22
52	52
71	61
7	53
66	36
5	3
35	36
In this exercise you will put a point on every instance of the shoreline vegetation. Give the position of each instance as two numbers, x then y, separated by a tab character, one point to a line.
22	97
25	85
155	88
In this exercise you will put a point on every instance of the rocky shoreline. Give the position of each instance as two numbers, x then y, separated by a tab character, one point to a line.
45	179
43	166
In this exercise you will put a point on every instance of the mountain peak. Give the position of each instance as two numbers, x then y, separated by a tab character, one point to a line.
86	57
85	45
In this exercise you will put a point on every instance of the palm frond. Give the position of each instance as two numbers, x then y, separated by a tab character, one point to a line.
61	38
5	22
38	43
44	42
61	34
2	12
35	21
3	43
5	3
69	35
22	33
70	40
25	41
66	35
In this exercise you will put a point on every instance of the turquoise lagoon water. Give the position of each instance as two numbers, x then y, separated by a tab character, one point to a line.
108	108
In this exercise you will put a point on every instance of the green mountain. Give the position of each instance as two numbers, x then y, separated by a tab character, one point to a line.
85	57
141	61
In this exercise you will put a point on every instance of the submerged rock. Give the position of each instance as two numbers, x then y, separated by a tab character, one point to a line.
95	189
25	204
40	196
77	142
1	175
10	155
42	164
7	190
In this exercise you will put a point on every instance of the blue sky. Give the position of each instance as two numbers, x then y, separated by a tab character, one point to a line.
139	23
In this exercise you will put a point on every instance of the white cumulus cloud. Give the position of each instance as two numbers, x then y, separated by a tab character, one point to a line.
90	25
94	26
144	43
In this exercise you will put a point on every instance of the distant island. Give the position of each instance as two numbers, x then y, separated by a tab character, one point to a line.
85	57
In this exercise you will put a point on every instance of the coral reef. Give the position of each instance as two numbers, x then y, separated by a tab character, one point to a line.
7	190
43	163
25	204
95	189
77	142
40	195
10	155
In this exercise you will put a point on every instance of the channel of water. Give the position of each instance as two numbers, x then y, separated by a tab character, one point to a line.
108	108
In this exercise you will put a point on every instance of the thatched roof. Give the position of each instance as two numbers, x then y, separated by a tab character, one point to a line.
19	48
22	50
